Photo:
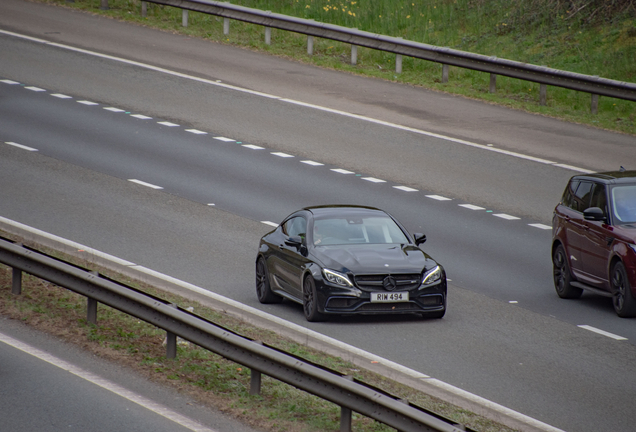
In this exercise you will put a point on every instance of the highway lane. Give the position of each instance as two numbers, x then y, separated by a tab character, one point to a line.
202	168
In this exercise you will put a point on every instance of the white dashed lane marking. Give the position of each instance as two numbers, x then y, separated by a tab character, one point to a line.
141	116
89	103
113	109
341	171
602	332
505	216
405	188
142	183
270	223
373	180
471	207
220	138
283	155
438	198
10	82
312	163
167	123
61	96
20	146
253	147
196	132
540	226
35	89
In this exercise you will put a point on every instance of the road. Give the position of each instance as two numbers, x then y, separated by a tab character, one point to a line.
528	355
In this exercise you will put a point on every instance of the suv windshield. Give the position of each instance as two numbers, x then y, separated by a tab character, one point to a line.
624	203
357	230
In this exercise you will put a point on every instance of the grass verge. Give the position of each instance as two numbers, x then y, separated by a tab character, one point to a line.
204	376
593	39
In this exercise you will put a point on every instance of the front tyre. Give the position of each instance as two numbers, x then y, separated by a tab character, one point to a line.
310	301
263	289
624	302
562	275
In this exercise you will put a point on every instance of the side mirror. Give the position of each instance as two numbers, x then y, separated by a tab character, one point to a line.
593	214
294	241
419	238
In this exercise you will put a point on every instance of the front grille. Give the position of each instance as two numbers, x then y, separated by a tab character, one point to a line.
388	307
374	283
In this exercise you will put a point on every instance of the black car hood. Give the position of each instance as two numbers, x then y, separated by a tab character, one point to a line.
373	259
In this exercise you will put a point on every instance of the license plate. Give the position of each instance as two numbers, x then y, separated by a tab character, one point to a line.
393	297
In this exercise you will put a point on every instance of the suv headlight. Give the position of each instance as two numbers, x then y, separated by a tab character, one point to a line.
336	278
432	276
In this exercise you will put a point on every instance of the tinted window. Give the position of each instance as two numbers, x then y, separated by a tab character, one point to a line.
599	198
296	226
581	198
568	195
624	203
352	230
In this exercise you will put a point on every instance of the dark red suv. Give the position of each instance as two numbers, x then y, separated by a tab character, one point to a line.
594	239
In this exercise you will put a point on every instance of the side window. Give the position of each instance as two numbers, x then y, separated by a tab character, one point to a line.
296	226
599	198
581	198
568	195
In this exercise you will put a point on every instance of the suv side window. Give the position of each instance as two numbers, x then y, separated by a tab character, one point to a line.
568	195
581	198
599	198
296	226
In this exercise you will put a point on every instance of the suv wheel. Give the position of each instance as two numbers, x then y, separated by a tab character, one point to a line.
624	302
562	275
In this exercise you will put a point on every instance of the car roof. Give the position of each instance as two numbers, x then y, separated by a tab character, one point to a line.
610	177
340	209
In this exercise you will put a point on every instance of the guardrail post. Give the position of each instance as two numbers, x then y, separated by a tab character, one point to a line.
171	345
91	310
144	9
594	106
184	17
268	35
255	382
310	45
398	62
345	413
354	55
104	5
543	94
493	83
16	279
226	26
444	73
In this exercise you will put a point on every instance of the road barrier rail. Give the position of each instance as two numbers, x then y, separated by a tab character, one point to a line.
349	393
542	75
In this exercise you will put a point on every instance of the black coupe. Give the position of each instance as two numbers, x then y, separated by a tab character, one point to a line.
348	260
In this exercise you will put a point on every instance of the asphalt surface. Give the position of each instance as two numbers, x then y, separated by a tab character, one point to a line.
528	355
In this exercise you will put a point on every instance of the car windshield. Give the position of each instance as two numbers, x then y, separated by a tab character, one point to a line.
624	203
357	230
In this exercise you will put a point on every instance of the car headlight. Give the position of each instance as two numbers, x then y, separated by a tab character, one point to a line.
336	278
432	276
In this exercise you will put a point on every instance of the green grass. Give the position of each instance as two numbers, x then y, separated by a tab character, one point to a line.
599	39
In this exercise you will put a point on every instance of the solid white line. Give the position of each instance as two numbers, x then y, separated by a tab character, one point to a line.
141	116
540	226
438	198
373	180
602	332
312	163
167	123
253	147
342	171
471	206
573	168
294	327
35	89
224	139
196	131
291	101
85	102
505	216
281	154
23	147
105	384
405	188
150	185
61	96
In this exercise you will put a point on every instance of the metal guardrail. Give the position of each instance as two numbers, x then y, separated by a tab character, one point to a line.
446	56
350	394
